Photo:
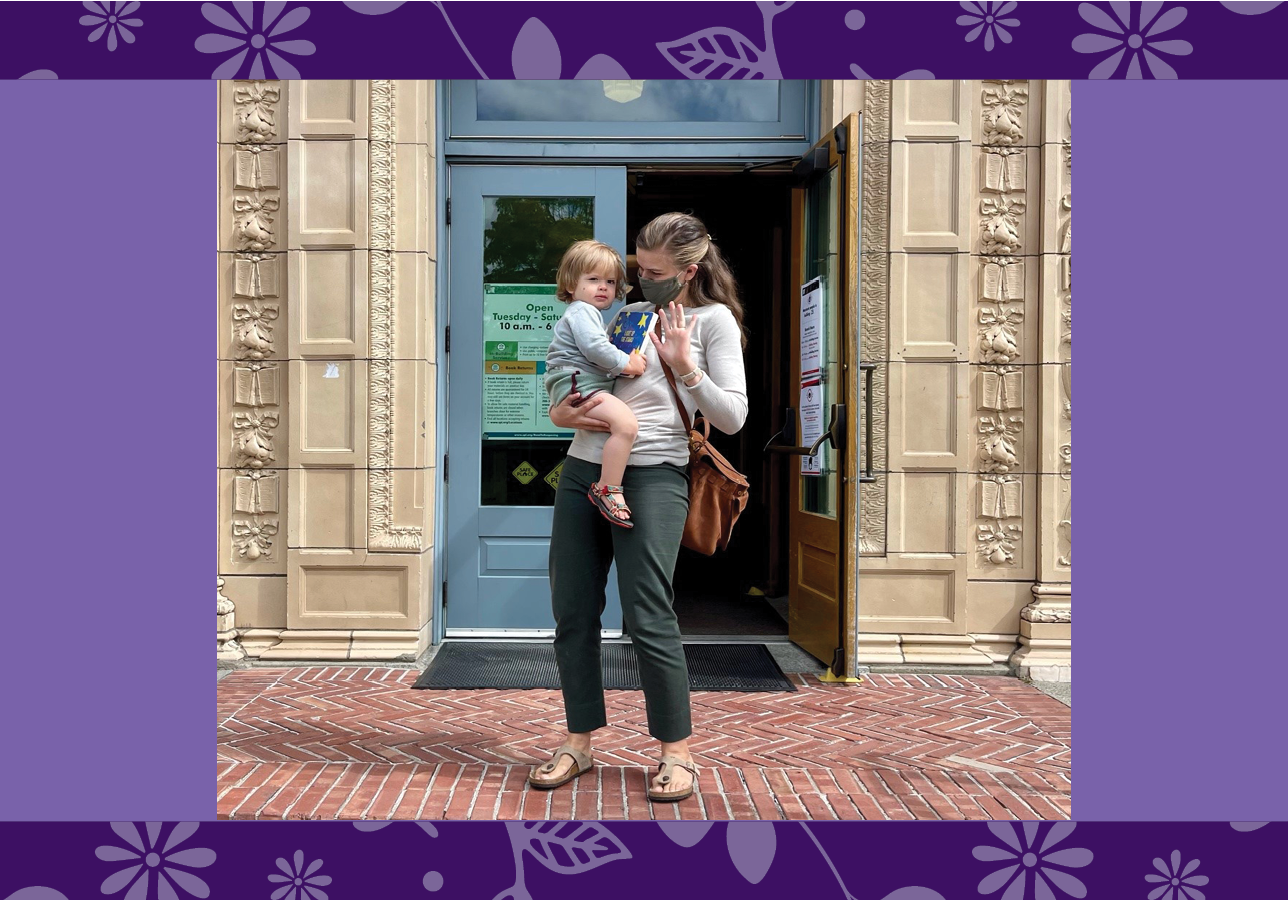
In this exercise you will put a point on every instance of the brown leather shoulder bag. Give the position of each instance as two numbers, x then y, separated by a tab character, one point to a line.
717	491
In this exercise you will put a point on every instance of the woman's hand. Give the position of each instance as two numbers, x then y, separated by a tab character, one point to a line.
565	415
678	331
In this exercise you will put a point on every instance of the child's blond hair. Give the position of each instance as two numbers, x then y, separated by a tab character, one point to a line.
589	256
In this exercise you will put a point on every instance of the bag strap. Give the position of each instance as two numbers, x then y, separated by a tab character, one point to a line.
670	378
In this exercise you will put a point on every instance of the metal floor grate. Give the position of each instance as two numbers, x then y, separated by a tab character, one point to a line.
511	665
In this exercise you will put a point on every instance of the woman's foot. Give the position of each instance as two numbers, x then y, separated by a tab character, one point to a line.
674	777
564	764
611	503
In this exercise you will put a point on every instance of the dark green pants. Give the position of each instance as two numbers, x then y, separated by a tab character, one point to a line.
582	547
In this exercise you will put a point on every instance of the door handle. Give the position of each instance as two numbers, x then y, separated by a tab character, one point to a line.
787	434
866	476
835	434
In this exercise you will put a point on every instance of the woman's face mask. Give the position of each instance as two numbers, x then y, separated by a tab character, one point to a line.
661	292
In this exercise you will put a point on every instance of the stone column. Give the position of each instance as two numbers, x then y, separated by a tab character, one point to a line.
1046	622
252	364
361	379
917	260
1005	271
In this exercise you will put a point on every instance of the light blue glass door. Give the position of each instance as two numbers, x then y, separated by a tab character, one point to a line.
510	226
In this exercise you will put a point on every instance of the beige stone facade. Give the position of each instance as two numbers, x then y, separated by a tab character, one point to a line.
327	414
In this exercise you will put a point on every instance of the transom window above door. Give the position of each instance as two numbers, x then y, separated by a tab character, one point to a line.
648	110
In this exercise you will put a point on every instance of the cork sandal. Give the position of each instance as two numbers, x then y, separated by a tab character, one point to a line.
582	763
668	767
599	494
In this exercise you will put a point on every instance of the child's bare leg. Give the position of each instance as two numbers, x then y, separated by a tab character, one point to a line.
617	449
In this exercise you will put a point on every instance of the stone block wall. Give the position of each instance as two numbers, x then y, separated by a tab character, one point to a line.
964	287
327	367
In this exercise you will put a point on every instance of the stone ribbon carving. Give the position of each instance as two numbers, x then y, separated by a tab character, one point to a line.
257	390
874	285
1064	555
1000	383
382	533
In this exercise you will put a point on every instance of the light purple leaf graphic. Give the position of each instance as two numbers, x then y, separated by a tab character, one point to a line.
36	893
1248	826
914	75
373	8
427	827
686	834
572	847
719	52
602	68
914	893
1250	8
535	54
773	9
751	847
38	74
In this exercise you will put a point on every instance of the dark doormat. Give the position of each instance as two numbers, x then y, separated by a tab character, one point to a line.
511	665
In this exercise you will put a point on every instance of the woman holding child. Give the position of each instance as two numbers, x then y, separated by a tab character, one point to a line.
636	448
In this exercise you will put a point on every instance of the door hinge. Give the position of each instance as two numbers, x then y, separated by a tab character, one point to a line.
447	339
447	213
444	595
444	468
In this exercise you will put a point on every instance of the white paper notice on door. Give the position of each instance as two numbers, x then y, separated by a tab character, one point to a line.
811	329
811	426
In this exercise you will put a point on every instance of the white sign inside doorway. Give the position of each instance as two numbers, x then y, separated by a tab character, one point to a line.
811	426
811	329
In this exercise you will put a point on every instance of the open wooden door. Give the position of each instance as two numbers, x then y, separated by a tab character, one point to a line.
821	433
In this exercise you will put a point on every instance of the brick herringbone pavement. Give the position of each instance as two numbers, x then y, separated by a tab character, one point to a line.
327	742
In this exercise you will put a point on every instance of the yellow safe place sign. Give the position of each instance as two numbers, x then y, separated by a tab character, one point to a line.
552	477
525	473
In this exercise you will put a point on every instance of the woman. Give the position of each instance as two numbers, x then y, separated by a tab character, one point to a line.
686	280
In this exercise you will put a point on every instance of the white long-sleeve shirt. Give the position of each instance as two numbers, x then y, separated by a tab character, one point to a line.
721	394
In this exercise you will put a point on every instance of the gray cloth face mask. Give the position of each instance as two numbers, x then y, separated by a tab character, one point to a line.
662	292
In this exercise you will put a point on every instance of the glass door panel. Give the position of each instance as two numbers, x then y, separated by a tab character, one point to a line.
510	227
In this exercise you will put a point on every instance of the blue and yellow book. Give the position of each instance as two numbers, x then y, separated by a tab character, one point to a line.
630	330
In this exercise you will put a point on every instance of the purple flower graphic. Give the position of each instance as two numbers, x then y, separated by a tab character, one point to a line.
986	21
1136	42
301	883
150	859
108	20
1024	856
1176	881
262	41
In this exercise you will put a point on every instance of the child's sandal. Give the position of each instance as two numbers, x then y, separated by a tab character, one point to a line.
599	494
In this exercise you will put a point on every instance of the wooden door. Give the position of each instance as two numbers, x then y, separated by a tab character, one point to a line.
822	564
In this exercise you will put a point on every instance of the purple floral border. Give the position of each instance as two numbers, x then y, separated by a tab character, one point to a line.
519	861
645	40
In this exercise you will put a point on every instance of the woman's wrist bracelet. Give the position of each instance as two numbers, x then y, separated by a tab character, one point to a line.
685	378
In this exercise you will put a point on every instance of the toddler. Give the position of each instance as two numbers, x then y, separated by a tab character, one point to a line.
582	359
